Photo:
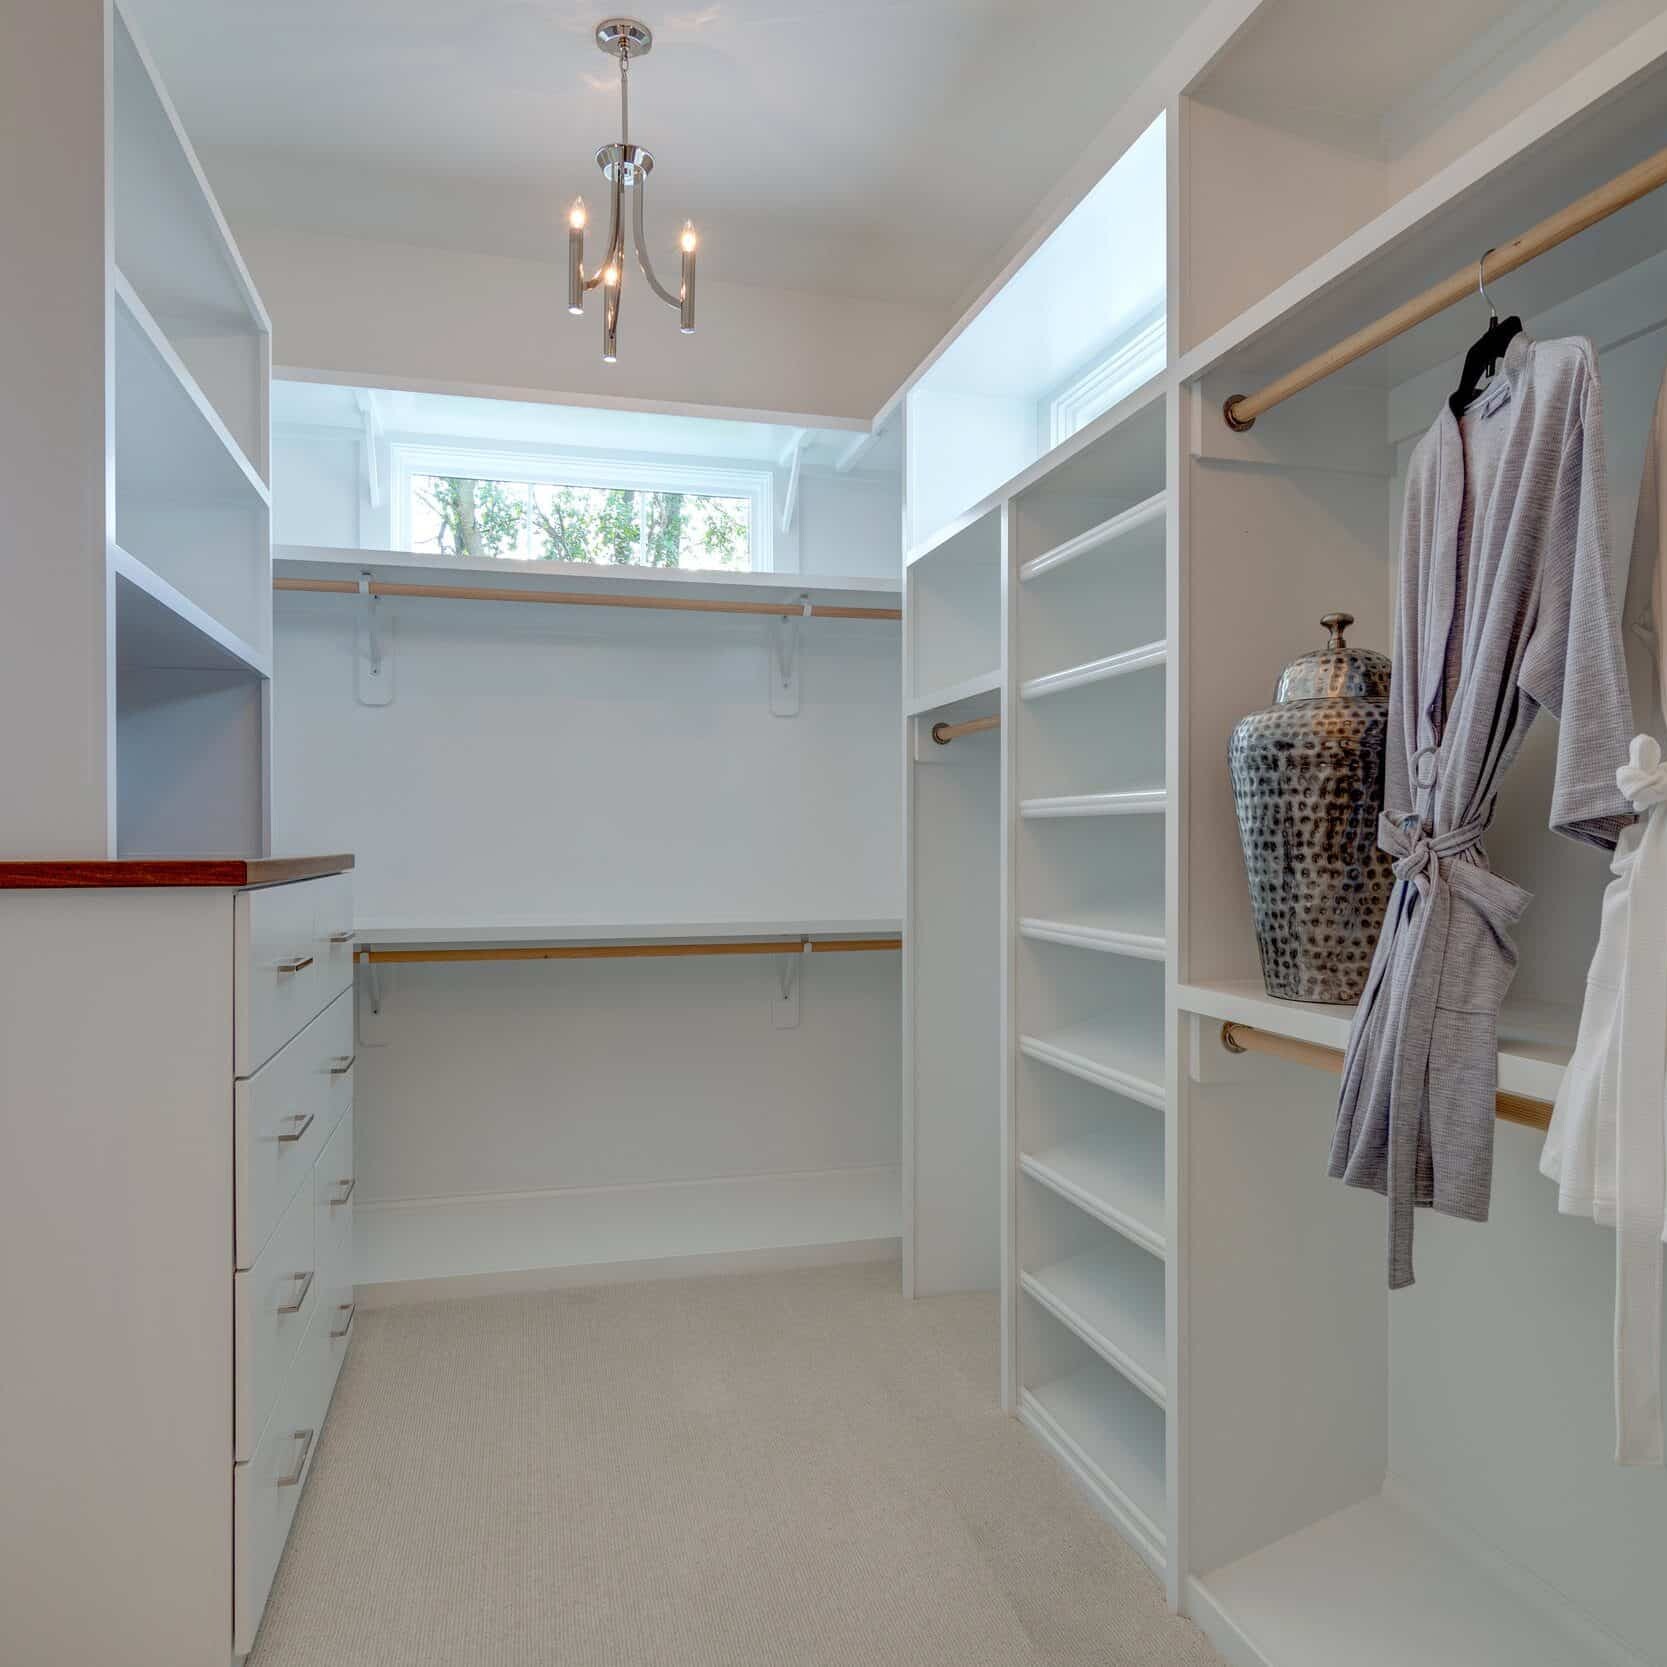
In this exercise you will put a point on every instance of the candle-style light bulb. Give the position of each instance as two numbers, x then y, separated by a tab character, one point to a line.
576	256
686	311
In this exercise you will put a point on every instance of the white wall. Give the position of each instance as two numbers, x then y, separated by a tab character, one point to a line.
400	315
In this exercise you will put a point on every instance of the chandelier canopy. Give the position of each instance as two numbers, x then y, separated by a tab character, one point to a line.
626	168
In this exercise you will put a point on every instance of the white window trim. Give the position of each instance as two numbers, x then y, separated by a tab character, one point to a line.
1134	358
757	486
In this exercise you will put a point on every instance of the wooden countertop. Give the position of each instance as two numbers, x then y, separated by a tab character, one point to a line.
167	871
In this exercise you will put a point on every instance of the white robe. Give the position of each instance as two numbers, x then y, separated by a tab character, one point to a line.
1607	1148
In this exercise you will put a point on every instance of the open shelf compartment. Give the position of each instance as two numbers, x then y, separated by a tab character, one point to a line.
175	251
1108	1433
1105	1288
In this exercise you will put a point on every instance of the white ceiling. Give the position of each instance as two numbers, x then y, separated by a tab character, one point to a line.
859	147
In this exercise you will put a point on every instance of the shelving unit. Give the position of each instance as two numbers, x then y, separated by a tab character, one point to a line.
151	602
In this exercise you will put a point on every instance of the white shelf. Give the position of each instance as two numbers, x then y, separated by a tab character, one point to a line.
1108	940
158	627
1112	1176
1143	516
1148	802
171	237
310	561
1095	671
1535	1038
594	1233
405	933
171	446
1125	1059
1376	1585
1113	1438
1596	123
1121	1319
971	691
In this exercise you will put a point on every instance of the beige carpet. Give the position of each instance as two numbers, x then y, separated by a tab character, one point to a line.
768	1470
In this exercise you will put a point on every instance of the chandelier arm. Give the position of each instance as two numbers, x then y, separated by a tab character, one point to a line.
614	249
666	295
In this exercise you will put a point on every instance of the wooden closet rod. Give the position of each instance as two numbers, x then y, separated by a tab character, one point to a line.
625	951
785	609
1649	175
943	734
1238	1038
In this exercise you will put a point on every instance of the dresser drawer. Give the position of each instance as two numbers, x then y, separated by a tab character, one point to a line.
333	1234
272	1305
266	1489
294	956
283	1116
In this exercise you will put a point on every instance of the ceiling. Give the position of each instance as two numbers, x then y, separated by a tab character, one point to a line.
851	147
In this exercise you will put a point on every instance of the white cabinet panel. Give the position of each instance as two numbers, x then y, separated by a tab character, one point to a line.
274	1302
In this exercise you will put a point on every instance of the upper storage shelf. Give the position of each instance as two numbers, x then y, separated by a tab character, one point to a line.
1419	158
1078	327
176	253
304	562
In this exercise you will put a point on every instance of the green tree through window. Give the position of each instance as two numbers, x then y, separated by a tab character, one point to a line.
621	526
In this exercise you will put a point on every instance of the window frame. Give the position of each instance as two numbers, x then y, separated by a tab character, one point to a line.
756	485
1133	359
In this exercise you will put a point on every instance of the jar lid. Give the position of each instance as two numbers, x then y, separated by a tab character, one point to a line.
1336	672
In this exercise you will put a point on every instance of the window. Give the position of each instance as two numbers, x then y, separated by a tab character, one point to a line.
1134	358
534	507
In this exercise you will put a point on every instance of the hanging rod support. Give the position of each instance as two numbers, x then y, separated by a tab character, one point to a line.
943	734
790	607
1241	1038
1649	175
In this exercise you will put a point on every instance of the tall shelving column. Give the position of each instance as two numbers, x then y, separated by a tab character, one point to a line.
135	647
954	666
1087	1362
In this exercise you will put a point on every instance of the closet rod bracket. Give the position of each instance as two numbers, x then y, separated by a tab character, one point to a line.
374	679
784	1005
786	653
373	983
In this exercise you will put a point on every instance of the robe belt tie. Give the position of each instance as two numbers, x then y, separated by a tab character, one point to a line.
1640	1136
1421	860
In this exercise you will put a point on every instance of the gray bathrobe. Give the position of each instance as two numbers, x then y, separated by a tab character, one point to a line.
1504	608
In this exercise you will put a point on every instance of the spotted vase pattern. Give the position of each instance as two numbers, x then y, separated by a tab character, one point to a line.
1308	786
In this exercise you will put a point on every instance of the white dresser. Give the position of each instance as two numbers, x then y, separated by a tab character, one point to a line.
176	1233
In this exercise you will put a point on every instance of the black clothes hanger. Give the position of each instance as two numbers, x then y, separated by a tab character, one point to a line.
1486	351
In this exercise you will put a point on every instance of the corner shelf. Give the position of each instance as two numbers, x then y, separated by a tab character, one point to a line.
1090	1294
1130	522
1095	671
158	627
1536	1039
1147	802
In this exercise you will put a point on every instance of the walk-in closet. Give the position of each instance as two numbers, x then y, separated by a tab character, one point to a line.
830	845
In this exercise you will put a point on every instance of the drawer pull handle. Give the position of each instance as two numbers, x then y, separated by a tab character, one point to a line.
296	963
303	1285
347	1187
292	1478
303	1120
341	937
342	1064
346	1308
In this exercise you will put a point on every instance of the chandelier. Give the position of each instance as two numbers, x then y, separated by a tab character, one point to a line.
626	168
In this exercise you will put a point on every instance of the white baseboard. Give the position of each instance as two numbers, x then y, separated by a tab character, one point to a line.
418	1250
